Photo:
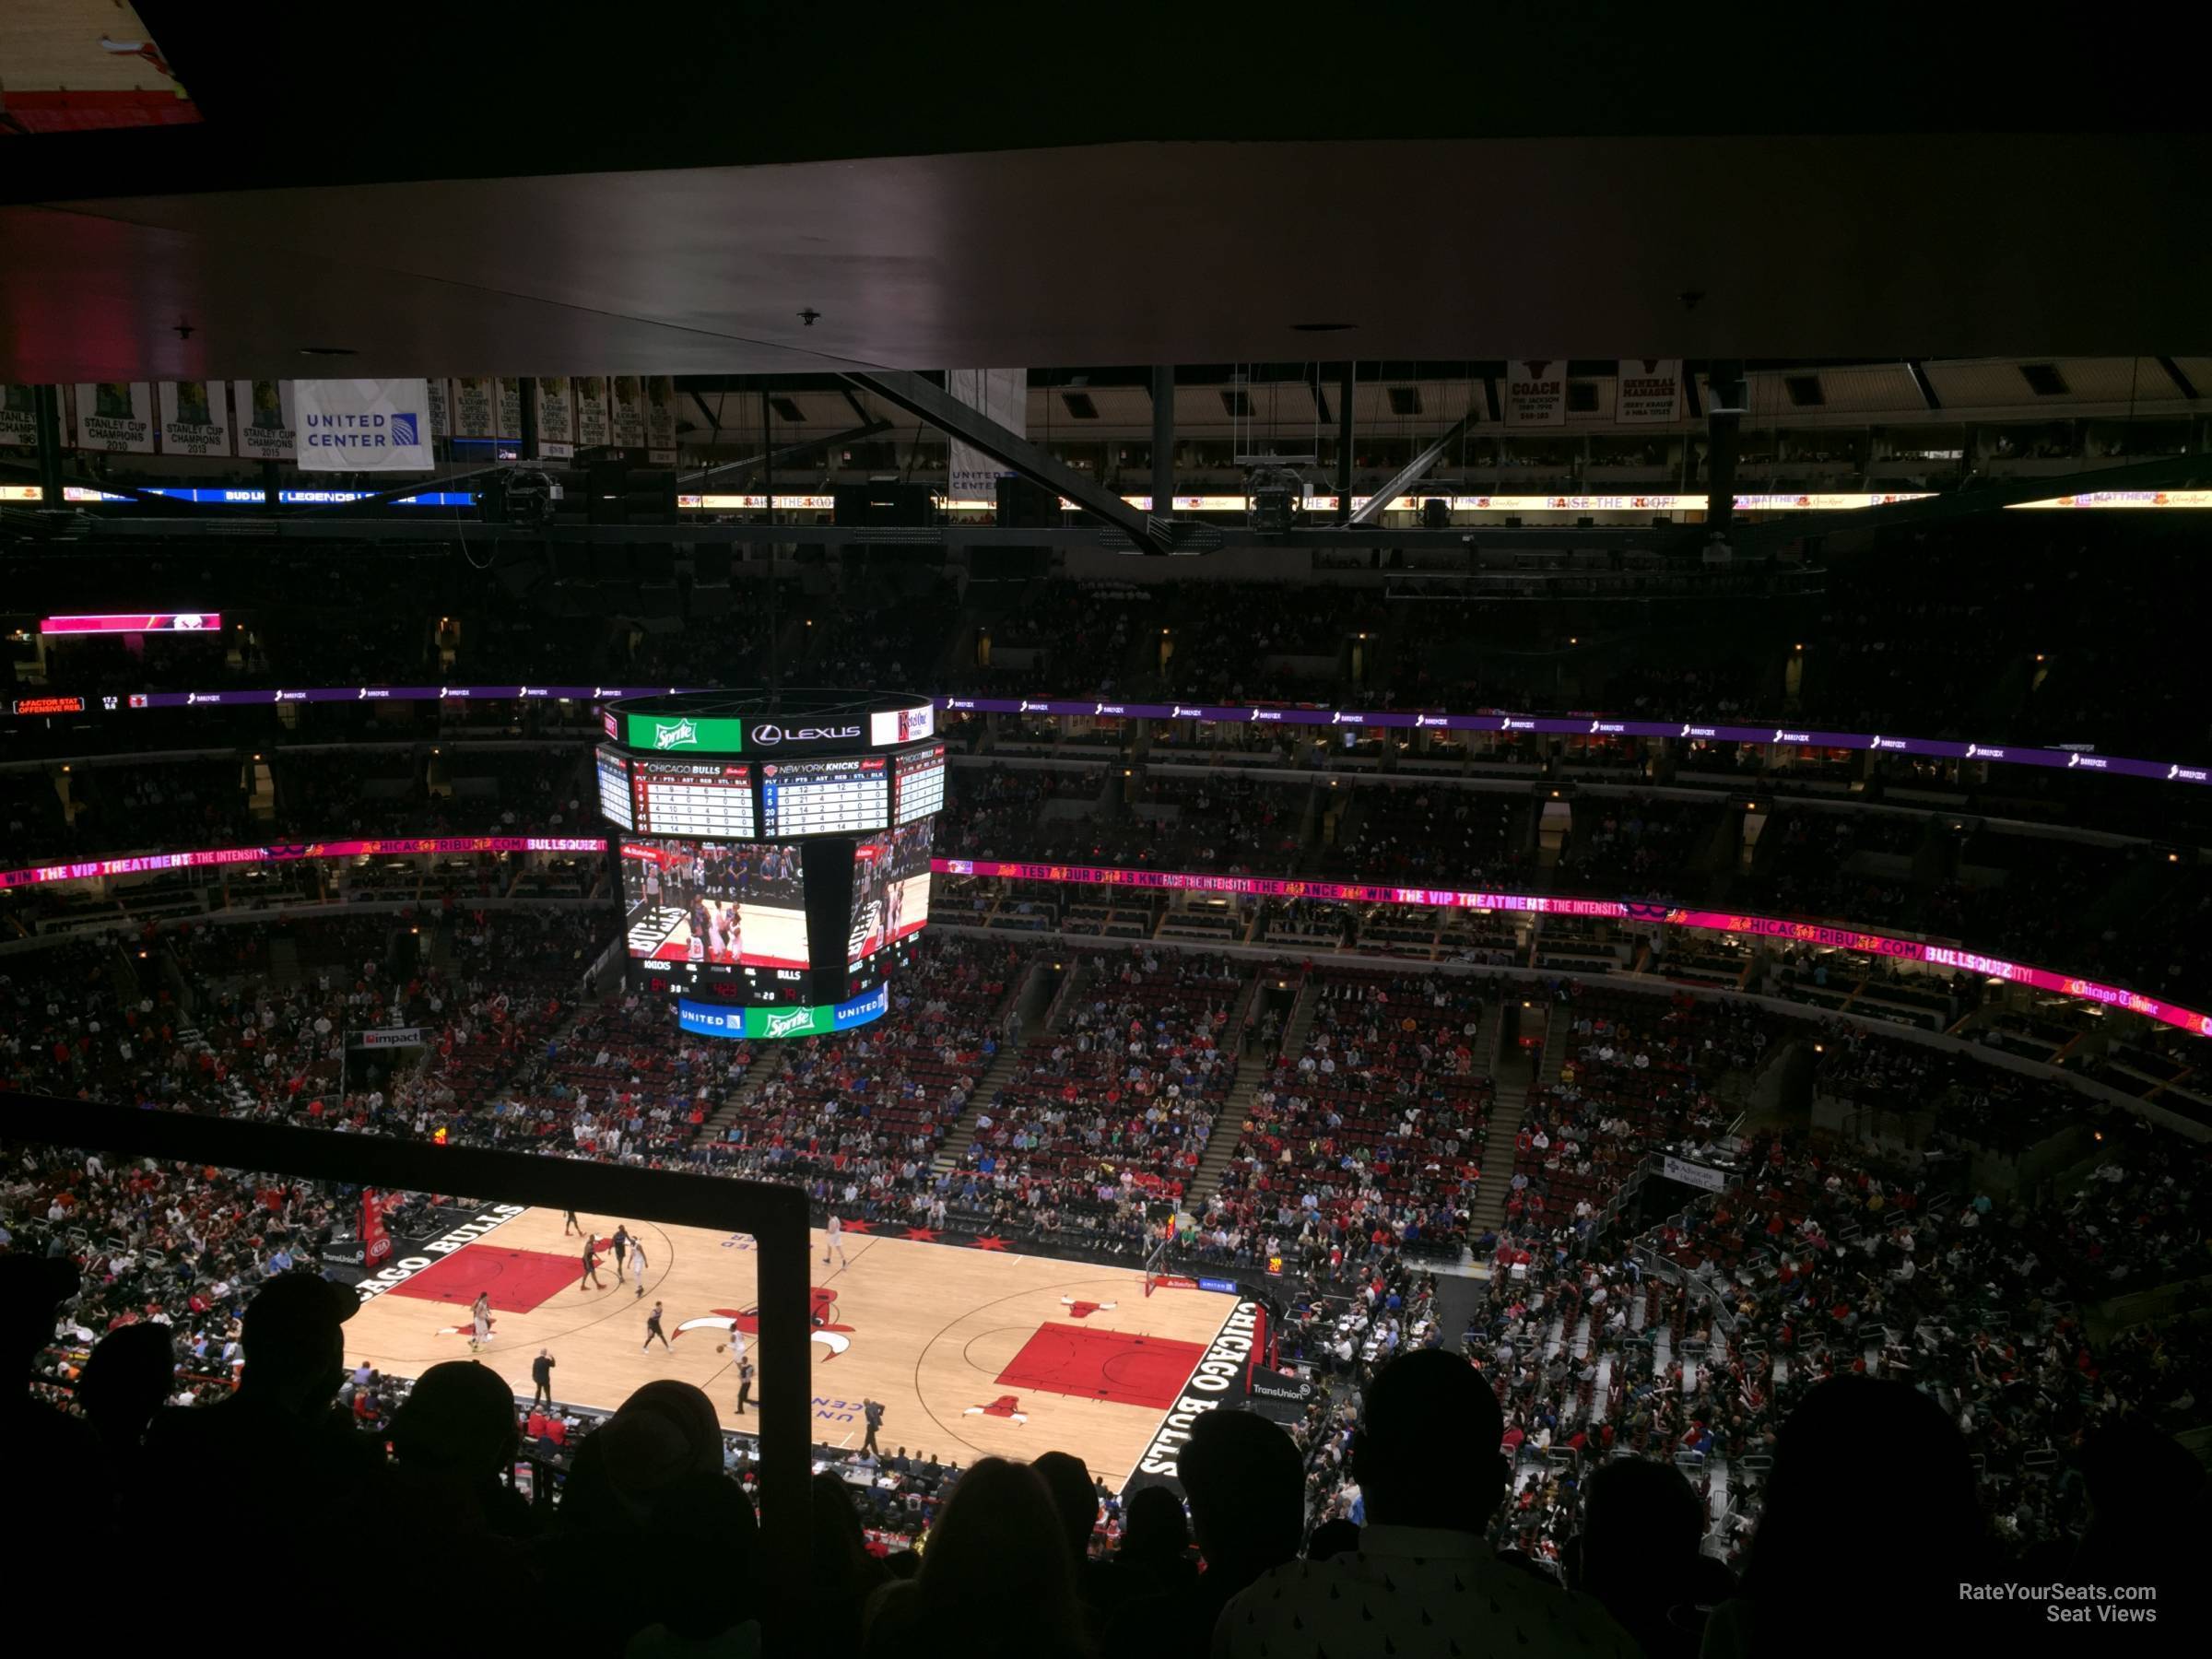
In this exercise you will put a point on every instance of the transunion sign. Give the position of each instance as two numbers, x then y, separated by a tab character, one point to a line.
684	733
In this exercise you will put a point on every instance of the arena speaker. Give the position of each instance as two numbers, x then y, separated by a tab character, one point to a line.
1272	506
887	504
1024	505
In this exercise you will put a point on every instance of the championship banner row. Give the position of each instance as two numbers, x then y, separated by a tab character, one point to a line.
352	422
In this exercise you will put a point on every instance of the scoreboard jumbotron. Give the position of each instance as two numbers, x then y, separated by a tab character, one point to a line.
774	850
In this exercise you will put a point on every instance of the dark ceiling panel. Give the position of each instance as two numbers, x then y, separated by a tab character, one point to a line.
1797	249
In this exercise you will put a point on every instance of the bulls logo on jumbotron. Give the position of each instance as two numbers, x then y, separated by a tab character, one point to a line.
821	1313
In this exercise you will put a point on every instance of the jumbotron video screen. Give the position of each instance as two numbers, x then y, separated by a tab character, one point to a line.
773	863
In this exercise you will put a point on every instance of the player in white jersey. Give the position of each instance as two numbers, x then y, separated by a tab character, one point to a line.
834	1238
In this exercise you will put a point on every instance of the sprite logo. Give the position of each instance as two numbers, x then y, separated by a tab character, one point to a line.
678	736
791	1022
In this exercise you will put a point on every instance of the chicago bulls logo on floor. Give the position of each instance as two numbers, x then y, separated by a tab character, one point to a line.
1005	1405
1084	1310
821	1313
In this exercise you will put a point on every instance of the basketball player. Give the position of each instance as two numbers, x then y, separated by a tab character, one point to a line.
695	949
652	1329
622	1248
653	883
745	1381
568	1223
637	1264
591	1264
833	1238
481	1312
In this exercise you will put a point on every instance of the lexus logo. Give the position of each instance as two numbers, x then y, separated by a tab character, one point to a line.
768	735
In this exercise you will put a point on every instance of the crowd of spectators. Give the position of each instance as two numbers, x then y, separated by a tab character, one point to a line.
1106	1118
1687	1340
1366	1143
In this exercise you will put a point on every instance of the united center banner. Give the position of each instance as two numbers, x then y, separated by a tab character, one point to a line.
117	417
266	428
1001	395
1651	391
363	425
1536	391
196	417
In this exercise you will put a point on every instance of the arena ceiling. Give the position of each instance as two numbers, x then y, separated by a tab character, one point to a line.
939	193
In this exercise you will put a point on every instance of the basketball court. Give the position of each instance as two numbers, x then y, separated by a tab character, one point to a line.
973	1352
74	66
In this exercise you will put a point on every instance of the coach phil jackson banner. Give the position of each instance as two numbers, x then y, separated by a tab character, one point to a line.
363	425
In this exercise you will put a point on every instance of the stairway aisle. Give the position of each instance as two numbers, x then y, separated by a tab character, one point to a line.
757	1077
1508	1112
960	1140
1229	1126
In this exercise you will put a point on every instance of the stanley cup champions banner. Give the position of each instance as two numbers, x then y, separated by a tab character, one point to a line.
265	420
660	419
115	416
18	417
589	392
196	417
363	424
475	406
556	419
628	393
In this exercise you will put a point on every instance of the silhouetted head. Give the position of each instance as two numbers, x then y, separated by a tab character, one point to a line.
31	1289
1333	1538
1153	1524
1833	1509
126	1379
1638	1551
1246	1485
996	1578
1076	1504
2147	1506
1426	1452
293	1334
459	1420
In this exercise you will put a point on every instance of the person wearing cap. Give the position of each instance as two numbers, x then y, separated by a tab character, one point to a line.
279	1446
